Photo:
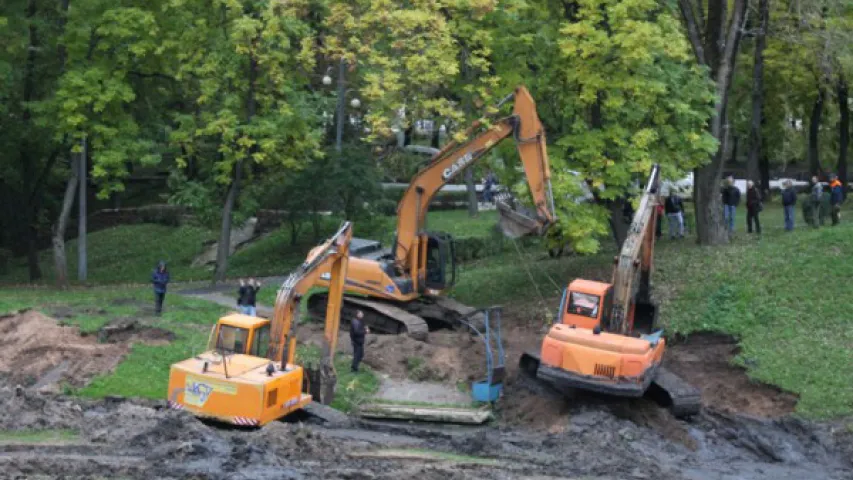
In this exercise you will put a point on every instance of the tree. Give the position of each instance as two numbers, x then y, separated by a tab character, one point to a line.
245	65
621	92
757	118
714	38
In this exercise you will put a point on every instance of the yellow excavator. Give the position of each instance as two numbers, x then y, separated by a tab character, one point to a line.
606	337
400	290
247	376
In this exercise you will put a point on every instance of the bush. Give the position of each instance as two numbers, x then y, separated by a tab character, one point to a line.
169	216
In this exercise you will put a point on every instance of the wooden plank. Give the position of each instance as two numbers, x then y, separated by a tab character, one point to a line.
426	413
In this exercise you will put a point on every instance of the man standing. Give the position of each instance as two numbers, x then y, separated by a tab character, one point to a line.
246	296
753	207
675	214
815	199
789	199
357	332
731	199
159	278
835	198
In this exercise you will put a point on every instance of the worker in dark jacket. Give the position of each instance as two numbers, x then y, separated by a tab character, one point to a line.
357	332
159	278
753	207
836	197
674	207
731	199
789	199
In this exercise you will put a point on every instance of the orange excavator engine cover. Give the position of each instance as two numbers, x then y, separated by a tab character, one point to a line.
603	362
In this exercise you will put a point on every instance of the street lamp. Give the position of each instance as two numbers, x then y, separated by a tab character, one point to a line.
342	93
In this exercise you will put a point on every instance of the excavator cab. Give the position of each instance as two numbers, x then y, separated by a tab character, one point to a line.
440	261
238	333
588	304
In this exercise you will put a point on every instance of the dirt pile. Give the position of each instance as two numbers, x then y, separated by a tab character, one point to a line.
37	352
705	360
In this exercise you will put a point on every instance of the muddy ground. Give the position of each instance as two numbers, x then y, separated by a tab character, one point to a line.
745	431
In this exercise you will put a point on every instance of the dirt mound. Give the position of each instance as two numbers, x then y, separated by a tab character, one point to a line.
37	352
704	359
130	330
449	357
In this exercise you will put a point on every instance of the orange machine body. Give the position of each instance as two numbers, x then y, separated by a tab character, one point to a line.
237	388
248	374
578	352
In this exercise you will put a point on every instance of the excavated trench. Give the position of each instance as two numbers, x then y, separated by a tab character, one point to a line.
745	432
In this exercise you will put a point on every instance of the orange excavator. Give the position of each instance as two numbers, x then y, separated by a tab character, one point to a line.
400	290
247	376
606	339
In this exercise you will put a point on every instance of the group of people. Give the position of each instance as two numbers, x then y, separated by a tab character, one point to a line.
754	205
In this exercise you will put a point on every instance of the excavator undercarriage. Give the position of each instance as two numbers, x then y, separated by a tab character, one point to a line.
660	385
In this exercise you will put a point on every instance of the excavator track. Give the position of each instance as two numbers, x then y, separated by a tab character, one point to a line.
667	389
380	317
672	391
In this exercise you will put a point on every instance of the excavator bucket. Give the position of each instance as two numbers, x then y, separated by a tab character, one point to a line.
518	221
321	383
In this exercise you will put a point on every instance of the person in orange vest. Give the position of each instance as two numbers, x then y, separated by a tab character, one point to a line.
836	197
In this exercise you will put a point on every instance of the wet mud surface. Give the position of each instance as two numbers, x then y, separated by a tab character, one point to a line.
746	430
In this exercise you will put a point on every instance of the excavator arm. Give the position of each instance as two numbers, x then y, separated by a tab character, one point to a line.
334	252
634	263
524	125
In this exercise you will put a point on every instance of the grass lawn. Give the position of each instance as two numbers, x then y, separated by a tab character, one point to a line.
784	296
127	254
38	436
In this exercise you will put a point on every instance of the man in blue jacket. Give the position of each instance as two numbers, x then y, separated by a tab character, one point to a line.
160	277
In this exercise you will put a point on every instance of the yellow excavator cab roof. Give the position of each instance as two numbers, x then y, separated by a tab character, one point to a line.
589	286
243	321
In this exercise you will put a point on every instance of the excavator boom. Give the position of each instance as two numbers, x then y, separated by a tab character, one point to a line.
524	125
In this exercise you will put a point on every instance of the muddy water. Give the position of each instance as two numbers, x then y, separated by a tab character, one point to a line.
135	440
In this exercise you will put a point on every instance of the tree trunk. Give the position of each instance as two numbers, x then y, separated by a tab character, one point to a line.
473	208
224	248
716	47
814	133
59	259
436	135
733	153
31	216
758	94
843	131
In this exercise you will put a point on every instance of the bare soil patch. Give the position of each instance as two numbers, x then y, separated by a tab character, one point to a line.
706	360
36	351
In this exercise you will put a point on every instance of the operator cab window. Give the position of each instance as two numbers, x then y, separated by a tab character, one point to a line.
261	343
232	339
584	304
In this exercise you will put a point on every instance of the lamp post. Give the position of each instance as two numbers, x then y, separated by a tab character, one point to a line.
342	92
